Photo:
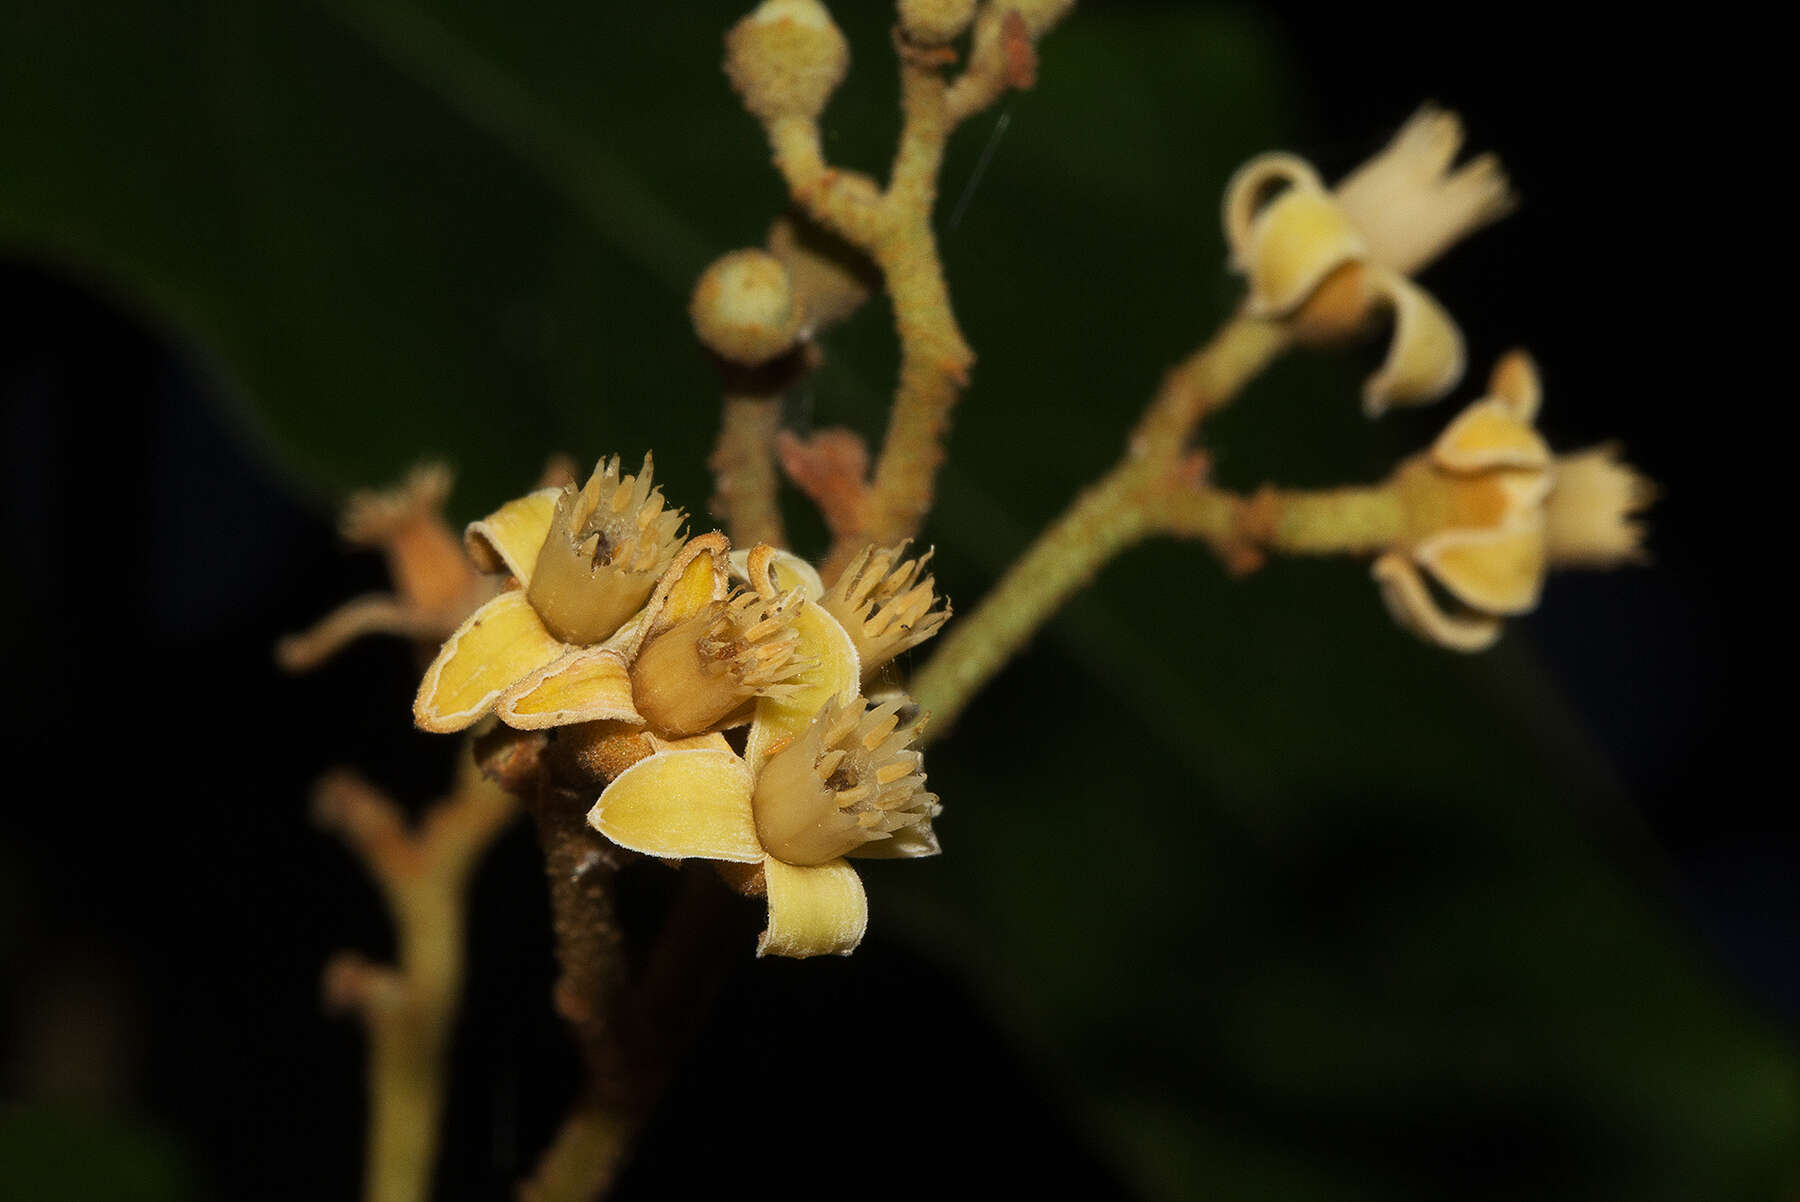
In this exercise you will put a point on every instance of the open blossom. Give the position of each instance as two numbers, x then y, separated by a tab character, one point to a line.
824	776
587	561
1488	510
1327	260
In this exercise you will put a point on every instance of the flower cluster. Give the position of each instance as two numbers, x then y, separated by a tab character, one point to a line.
743	674
1488	509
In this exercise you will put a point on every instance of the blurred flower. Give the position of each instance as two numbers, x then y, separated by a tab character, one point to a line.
1488	510
435	586
1326	261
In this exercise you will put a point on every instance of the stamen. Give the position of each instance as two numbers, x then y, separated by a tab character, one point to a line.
885	603
849	778
608	543
698	671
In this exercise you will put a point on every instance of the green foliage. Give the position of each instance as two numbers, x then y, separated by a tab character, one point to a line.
76	1155
1287	905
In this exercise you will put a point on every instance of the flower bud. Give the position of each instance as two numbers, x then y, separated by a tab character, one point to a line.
744	308
934	22
786	58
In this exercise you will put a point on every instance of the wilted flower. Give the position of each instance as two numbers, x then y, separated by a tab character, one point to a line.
1327	260
1488	510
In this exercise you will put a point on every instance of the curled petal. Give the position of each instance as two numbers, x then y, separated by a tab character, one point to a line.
786	572
819	910
1286	246
499	643
1493	571
1251	186
1425	356
677	804
1485	436
508	539
1514	383
584	685
1412	606
833	671
698	576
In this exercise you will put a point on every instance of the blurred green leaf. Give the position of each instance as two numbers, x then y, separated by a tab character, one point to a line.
1288	906
79	1156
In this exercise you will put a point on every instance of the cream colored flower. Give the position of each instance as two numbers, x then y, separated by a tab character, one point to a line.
1326	260
1488	510
823	777
554	650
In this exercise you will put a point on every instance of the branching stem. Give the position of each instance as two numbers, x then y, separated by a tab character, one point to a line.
408	1010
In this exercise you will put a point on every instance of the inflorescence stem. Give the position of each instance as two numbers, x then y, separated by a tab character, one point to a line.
408	1010
1159	487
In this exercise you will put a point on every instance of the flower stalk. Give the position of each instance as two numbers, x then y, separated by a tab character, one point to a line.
408	1009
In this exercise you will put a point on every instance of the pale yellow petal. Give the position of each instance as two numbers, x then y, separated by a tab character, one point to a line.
1514	383
1493	571
815	911
1286	233
583	685
833	670
1425	356
1297	241
1411	604
497	645
1252	186
508	539
677	804
697	576
787	570
1485	436
710	741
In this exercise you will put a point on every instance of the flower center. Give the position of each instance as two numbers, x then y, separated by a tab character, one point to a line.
692	675
606	546
849	778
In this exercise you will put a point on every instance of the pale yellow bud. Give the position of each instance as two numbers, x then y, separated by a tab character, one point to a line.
744	308
934	22
786	58
1040	15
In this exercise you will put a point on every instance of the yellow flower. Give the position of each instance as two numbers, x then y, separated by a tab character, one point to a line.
1488	510
1327	260
586	561
823	776
652	634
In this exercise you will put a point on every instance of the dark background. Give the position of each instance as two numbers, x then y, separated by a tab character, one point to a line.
1245	895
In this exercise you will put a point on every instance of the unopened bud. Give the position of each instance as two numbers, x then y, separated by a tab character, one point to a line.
744	308
786	58
934	22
